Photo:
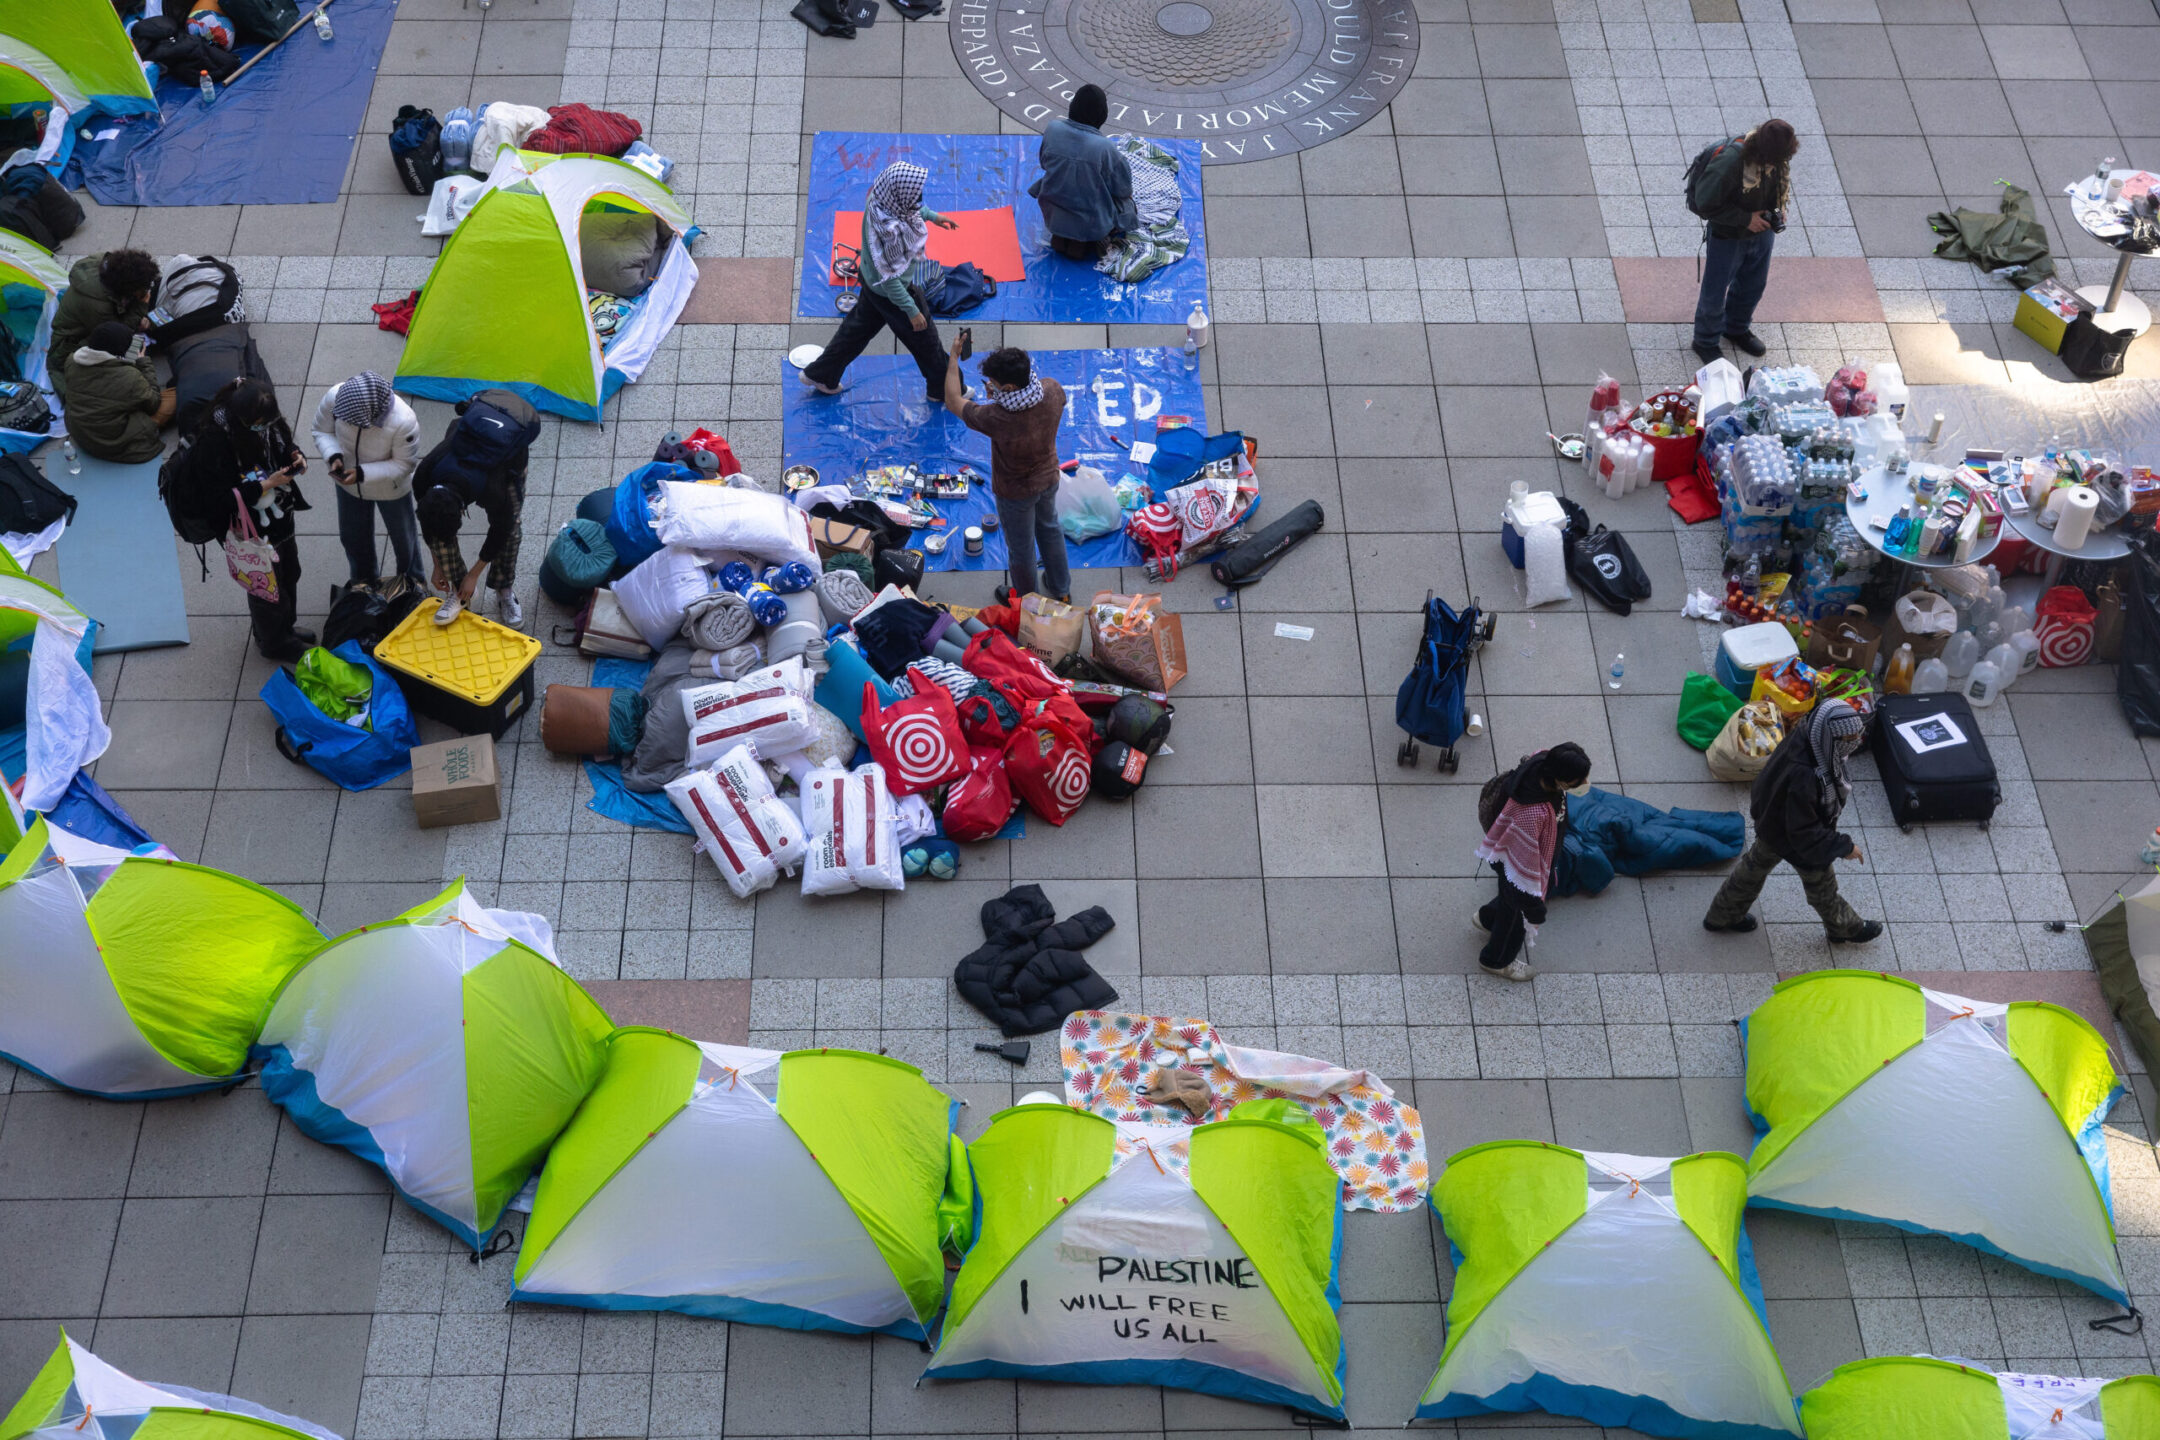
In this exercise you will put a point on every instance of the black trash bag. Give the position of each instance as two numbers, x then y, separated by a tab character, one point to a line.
2137	676
1602	562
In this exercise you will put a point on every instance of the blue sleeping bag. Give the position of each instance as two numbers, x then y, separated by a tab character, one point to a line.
354	758
1610	835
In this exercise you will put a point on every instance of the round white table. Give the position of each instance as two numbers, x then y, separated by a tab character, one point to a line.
2116	310
2102	545
1886	495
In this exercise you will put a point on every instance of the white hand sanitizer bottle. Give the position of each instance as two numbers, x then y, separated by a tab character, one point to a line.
1196	327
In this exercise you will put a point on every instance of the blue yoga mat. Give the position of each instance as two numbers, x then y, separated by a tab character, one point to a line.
119	563
311	95
880	418
985	172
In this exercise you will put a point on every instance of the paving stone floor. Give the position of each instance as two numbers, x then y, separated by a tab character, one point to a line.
1403	314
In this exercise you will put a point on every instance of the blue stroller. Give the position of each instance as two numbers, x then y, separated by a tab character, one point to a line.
1429	706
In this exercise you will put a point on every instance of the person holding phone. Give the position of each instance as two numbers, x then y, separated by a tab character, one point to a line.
243	455
1022	421
369	440
114	406
1742	190
895	240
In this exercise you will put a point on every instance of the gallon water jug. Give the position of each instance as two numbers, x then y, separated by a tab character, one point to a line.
1887	379
2014	619
1932	678
2027	646
457	135
1959	656
1983	685
2004	657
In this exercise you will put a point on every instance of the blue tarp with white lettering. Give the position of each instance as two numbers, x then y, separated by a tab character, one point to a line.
986	172
880	418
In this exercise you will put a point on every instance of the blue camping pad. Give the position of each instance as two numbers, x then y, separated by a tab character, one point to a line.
310	95
986	172
881	418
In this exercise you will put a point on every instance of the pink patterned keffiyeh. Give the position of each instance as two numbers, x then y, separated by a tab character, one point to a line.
1521	842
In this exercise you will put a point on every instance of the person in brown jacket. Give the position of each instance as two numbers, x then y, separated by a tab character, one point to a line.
1022	422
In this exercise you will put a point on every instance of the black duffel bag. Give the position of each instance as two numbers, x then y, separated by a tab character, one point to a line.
1255	555
1602	562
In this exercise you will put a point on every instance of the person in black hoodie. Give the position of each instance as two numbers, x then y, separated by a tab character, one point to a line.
244	445
1796	802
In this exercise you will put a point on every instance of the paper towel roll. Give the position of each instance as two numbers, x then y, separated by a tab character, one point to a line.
2080	503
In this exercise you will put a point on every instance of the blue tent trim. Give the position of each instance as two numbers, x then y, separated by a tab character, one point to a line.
1174	1374
450	390
722	1307
293	1088
2102	1288
166	1094
1599	1406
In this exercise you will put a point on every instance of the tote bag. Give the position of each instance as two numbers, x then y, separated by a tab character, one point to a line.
251	559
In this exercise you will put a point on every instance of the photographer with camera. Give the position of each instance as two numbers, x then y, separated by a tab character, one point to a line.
1741	189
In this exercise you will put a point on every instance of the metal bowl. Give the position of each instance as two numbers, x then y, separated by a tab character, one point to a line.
799	477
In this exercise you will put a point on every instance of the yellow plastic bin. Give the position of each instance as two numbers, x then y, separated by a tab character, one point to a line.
473	675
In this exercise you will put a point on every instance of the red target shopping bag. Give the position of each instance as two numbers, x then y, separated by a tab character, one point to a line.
2063	624
916	740
1048	767
981	801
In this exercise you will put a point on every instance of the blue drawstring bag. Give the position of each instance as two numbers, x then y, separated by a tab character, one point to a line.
629	524
353	758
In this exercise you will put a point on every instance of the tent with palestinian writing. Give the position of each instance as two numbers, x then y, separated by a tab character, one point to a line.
446	1046
1201	1258
1877	1099
814	1190
1618	1289
77	1396
132	976
1917	1397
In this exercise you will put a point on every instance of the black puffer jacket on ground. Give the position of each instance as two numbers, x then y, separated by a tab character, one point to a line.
1030	976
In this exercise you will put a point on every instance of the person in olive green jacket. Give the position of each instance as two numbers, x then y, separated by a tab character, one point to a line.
117	285
114	406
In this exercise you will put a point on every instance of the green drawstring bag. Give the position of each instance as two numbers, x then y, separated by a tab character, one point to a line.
1705	706
337	687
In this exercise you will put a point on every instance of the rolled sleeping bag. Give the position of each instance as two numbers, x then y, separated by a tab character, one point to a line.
597	506
805	622
1248	561
574	720
626	721
579	561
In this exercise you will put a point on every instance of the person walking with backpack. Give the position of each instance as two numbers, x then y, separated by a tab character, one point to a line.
1519	844
1741	189
1796	801
481	461
368	438
895	240
241	470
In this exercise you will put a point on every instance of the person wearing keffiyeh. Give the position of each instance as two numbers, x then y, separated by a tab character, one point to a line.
1022	421
894	237
1519	847
1796	802
370	441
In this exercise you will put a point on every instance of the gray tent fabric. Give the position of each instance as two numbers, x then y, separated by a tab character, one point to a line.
2107	939
2014	236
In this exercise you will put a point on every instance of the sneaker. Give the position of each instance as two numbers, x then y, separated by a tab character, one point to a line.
513	614
1869	929
804	376
1749	341
1706	351
1478	925
448	610
1740	926
285	651
1517	969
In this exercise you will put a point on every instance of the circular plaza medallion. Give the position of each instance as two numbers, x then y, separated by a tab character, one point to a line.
1245	79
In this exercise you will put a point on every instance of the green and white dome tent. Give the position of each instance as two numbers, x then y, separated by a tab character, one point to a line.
812	1190
134	976
1918	1397
1201	1258
446	1046
77	1396
1879	1100
1619	1289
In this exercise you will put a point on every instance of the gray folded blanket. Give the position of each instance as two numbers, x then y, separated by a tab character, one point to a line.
730	664
842	595
804	623
718	622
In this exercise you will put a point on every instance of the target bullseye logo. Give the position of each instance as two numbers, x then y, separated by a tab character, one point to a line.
1069	782
921	751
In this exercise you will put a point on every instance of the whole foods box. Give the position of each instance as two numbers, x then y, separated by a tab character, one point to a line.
2045	311
455	782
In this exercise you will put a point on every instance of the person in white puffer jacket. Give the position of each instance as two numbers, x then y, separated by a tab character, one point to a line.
370	441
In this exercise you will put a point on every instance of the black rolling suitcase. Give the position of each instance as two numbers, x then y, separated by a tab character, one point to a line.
1934	760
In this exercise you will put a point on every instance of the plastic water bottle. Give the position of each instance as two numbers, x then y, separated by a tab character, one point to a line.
1960	655
1619	669
74	461
1983	685
322	23
456	139
2027	646
207	87
2150	855
1932	678
2004	658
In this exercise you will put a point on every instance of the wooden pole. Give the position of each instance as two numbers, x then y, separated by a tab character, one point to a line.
256	58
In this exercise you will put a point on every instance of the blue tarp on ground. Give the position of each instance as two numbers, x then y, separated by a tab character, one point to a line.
881	418
309	94
984	172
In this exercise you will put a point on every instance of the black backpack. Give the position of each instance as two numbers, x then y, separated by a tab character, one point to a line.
224	309
23	407
28	501
193	524
35	205
1691	183
366	612
416	148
